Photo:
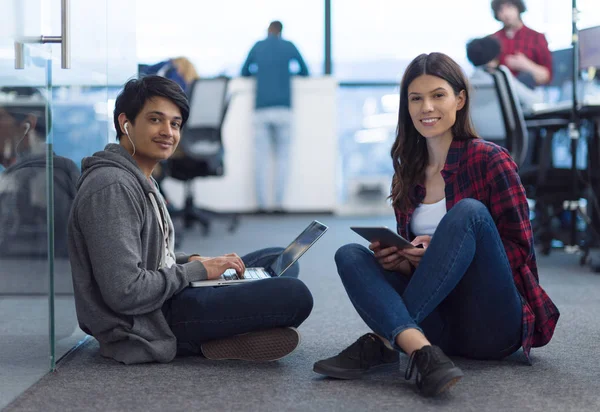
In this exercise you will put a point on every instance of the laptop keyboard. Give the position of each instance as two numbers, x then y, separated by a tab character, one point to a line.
250	273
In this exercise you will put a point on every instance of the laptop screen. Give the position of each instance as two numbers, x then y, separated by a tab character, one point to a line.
297	248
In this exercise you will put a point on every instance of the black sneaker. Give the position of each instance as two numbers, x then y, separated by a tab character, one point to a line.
435	371
364	355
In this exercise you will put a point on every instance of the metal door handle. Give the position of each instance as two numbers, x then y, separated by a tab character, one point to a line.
64	39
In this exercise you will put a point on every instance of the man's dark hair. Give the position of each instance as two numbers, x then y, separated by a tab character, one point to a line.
28	101
137	92
482	51
496	4
275	27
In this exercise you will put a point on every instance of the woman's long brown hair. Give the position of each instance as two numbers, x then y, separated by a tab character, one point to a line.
409	152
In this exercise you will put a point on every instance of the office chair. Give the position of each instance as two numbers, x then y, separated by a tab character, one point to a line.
200	152
517	134
550	187
494	117
498	117
486	110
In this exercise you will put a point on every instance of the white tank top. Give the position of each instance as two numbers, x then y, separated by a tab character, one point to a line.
427	217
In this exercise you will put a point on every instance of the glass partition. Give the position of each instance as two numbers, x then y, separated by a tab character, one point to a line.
102	59
50	118
26	352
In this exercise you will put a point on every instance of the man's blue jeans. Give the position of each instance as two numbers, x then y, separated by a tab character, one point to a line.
462	295
272	142
198	315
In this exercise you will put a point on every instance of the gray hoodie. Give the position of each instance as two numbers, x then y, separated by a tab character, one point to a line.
117	252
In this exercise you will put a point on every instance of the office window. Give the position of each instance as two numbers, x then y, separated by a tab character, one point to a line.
217	36
554	19
378	41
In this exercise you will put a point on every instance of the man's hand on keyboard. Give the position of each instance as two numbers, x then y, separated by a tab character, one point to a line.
217	265
200	258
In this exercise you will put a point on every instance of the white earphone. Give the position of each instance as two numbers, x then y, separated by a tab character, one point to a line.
27	128
129	137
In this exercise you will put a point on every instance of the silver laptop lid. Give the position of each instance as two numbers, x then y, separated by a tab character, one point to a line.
297	248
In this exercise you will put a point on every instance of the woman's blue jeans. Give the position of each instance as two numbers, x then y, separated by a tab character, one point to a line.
462	295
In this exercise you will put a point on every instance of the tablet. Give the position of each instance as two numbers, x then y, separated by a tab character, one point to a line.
383	235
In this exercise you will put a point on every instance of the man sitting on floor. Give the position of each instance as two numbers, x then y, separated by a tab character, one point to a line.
131	289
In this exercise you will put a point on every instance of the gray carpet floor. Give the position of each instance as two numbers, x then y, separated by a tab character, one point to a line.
25	341
565	375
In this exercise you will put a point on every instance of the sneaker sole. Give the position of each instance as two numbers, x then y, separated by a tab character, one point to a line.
447	381
339	373
261	346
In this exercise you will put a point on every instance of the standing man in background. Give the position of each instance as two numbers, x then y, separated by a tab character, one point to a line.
524	51
269	60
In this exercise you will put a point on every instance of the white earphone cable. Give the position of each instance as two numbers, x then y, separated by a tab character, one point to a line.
133	154
28	126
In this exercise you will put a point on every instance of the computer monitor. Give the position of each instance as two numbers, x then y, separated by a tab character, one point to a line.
562	67
589	48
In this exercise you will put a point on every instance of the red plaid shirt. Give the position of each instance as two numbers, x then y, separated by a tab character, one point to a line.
529	42
482	170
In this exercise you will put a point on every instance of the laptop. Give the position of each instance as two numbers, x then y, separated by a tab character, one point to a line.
281	263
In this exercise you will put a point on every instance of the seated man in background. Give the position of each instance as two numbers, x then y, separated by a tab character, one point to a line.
484	55
131	289
524	51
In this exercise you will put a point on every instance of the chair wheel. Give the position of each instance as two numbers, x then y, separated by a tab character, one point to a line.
546	248
233	225
595	265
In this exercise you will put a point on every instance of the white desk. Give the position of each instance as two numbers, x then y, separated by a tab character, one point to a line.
313	155
541	109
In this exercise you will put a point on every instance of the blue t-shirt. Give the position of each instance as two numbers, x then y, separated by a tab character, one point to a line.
269	60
